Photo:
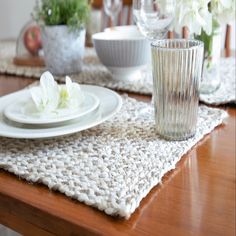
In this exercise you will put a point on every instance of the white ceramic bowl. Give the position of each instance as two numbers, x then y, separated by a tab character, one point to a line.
131	29
123	50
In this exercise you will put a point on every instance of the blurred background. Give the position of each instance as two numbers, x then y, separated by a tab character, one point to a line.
14	14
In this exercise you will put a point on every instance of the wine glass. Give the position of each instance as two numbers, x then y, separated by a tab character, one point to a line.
112	8
154	17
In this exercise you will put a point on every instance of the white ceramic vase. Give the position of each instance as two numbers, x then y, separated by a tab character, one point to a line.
63	49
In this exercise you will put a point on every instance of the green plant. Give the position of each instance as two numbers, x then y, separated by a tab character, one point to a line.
73	13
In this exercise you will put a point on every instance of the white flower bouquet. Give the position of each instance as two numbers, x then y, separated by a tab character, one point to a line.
203	19
203	15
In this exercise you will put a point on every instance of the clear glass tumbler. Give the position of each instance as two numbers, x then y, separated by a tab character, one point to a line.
177	69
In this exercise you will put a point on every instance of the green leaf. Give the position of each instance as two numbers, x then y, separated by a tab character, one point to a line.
73	13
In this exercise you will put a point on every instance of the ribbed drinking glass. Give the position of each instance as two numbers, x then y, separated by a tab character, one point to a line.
177	68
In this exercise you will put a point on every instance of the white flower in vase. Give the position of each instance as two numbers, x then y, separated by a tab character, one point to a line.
223	10
193	14
203	15
203	19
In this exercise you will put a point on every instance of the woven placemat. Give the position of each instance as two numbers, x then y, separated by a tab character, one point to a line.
97	74
111	167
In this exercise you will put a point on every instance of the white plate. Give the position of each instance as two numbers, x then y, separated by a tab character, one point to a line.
23	110
110	103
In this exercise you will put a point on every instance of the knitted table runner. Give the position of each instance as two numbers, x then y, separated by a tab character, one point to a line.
111	167
97	74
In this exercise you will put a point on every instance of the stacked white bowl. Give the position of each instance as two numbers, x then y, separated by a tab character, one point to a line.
123	50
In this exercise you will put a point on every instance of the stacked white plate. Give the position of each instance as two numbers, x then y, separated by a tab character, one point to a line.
19	120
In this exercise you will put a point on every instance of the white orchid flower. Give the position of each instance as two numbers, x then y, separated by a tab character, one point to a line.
50	97
193	14
223	10
46	96
71	95
199	15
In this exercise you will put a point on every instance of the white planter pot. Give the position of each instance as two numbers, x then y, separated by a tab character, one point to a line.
63	49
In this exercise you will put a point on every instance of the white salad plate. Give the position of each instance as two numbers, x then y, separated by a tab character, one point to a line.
24	111
110	103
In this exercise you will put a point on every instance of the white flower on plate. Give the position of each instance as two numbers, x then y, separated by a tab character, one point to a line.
71	95
46	96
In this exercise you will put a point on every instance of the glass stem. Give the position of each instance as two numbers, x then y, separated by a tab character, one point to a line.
112	21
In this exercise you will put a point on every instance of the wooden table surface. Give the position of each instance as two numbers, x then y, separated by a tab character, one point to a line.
197	198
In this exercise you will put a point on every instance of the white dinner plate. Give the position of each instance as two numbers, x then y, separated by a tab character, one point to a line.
110	103
24	111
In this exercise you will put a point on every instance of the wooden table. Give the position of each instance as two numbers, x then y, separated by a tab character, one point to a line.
197	198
